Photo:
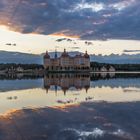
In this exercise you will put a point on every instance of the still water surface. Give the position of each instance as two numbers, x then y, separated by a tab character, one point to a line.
78	107
57	90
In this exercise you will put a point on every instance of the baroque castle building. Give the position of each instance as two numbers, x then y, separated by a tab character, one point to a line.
66	62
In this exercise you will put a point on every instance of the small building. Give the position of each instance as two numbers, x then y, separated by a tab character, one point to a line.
103	69
111	69
19	69
66	62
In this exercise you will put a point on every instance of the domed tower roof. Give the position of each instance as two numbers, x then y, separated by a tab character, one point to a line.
65	54
86	55
46	55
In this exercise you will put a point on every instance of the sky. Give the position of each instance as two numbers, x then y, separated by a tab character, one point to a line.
98	26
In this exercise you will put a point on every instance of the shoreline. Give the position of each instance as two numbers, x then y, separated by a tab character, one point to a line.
66	72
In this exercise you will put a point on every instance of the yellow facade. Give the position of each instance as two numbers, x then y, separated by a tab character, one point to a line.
66	62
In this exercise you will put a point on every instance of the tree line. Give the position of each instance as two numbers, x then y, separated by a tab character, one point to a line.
23	66
93	65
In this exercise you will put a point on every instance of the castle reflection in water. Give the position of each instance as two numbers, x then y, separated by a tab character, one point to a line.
68	81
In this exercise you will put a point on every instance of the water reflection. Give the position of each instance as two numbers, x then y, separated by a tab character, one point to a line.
67	81
70	106
88	121
67	89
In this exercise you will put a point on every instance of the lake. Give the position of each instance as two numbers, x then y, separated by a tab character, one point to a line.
99	106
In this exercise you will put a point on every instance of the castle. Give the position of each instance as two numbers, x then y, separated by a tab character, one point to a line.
66	62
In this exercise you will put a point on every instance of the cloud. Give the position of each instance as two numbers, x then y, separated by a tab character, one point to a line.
95	7
131	51
64	39
87	19
121	5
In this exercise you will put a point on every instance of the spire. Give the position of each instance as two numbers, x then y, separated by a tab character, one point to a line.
64	54
55	53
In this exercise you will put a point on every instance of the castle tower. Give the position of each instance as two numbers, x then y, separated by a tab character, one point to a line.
87	60
64	60
46	60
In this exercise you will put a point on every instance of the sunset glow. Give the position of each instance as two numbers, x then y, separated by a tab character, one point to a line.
37	44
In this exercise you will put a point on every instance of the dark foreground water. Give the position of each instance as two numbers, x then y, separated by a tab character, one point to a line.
70	107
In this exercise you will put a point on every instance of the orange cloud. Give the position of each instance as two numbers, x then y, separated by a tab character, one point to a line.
65	33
